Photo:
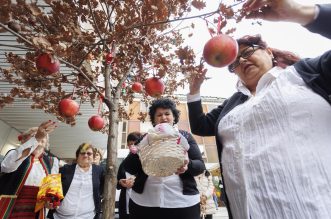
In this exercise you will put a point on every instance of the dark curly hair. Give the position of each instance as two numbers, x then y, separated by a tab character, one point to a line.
252	40
282	58
163	103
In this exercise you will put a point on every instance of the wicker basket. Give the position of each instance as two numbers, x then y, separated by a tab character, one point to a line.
162	157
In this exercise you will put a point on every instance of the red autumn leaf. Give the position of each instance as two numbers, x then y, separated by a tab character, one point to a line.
199	4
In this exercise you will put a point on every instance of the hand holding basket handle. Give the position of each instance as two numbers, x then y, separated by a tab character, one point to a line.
183	168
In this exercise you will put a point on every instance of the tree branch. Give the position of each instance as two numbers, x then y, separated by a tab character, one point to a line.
170	21
61	60
16	34
119	85
16	46
83	74
94	21
106	12
90	49
181	19
108	89
109	15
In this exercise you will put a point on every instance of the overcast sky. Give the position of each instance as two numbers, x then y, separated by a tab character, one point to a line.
281	35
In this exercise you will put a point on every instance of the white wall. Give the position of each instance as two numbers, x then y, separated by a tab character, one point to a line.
8	138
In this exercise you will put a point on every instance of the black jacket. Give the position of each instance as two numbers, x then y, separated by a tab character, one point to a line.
67	174
315	72
122	199
196	166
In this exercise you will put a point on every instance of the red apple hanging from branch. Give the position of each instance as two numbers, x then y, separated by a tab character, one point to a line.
154	87
109	58
137	87
220	50
68	107
47	63
96	123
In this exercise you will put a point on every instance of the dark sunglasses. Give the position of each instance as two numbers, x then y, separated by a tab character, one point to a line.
245	53
86	153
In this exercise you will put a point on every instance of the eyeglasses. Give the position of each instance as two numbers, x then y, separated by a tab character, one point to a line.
246	53
86	153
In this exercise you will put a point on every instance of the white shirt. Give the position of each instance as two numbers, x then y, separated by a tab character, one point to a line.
37	172
277	151
78	203
164	192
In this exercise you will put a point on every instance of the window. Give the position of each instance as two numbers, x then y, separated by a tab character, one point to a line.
124	134
143	107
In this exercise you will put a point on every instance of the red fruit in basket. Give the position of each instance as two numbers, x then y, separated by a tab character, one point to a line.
220	50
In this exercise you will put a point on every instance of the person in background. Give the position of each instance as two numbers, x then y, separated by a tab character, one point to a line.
206	188
82	184
24	168
273	135
125	180
98	156
175	196
215	198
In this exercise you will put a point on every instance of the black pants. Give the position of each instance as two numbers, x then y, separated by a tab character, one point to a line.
209	216
141	212
124	216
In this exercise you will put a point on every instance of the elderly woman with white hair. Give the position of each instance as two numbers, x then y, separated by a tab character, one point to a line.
24	168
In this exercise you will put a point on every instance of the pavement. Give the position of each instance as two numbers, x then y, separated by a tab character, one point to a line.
221	213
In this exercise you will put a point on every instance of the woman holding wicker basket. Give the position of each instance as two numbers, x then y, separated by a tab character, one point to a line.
167	161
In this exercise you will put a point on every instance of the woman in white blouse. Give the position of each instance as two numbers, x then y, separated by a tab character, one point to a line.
24	169
273	135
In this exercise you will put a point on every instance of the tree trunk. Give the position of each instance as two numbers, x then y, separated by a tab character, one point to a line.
110	178
111	168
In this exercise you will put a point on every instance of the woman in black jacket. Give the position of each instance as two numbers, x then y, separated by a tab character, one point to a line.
174	196
82	185
125	181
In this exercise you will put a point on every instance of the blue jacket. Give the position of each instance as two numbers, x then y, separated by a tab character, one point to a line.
316	73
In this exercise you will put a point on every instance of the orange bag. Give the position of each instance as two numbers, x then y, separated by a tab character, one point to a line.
50	190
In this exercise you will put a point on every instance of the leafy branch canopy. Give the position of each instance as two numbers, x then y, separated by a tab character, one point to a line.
80	33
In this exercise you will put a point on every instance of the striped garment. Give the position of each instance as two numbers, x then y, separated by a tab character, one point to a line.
19	199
